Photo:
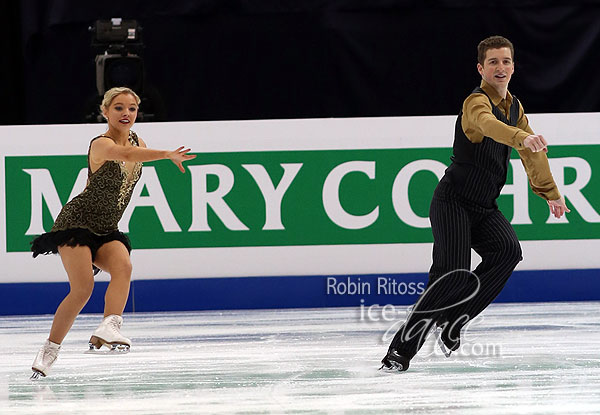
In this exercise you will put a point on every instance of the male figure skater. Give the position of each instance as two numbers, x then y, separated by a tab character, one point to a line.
464	213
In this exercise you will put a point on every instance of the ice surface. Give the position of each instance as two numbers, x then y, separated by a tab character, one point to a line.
515	359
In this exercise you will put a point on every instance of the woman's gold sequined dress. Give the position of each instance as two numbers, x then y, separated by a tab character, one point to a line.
91	218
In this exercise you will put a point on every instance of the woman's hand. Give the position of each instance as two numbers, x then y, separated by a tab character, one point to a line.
179	156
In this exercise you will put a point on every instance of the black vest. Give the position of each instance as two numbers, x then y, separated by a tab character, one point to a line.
478	171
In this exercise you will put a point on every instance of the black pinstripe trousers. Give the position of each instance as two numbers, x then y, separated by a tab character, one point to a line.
454	294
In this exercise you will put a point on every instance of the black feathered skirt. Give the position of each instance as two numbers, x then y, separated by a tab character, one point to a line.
49	242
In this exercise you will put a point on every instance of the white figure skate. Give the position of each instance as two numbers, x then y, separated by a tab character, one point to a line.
44	359
108	334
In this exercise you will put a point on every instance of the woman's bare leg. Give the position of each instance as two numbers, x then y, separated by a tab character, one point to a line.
78	264
113	258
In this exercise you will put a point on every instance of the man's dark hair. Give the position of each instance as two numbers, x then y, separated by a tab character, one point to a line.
493	42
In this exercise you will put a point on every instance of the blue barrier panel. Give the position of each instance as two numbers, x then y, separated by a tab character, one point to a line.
293	292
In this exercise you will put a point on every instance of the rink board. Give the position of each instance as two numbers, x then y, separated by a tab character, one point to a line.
271	210
311	291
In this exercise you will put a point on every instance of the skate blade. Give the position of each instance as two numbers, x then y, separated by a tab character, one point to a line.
109	349
96	343
446	352
390	370
395	368
106	351
438	335
37	375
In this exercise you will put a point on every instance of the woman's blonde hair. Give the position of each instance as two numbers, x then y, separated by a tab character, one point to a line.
113	92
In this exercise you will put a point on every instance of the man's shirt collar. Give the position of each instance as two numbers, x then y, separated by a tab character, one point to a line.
494	95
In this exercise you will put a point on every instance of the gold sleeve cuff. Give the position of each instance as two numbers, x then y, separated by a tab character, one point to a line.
518	139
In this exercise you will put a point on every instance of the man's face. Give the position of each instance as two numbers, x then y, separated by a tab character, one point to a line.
497	68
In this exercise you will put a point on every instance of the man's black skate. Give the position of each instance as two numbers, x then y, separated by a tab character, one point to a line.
394	362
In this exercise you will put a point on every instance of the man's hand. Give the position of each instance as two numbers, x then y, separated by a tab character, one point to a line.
536	143
558	207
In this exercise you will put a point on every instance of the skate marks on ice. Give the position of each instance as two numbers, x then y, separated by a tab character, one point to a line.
316	361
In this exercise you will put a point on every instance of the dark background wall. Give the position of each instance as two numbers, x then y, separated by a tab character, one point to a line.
227	59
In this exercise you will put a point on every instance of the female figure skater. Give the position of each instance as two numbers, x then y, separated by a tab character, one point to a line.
85	233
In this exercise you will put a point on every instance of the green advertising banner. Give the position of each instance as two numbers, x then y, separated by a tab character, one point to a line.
285	198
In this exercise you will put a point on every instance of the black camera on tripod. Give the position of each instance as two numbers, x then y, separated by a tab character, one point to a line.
118	43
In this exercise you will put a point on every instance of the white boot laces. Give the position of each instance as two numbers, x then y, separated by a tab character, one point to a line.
50	353
114	325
